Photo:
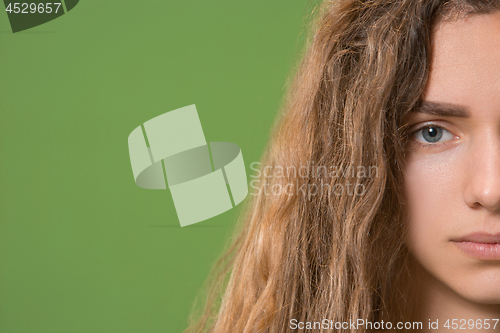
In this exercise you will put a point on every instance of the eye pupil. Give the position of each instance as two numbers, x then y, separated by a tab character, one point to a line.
432	134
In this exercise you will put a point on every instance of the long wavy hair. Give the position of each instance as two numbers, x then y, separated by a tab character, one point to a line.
316	250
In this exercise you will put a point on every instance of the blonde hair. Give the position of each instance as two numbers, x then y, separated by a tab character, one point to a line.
334	255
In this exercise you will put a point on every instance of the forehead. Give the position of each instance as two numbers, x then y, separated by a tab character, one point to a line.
465	65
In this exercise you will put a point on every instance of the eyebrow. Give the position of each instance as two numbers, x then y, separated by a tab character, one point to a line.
443	109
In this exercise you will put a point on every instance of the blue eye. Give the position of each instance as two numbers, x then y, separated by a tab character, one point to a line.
432	134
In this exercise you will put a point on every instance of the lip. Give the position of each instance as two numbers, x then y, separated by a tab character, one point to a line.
480	245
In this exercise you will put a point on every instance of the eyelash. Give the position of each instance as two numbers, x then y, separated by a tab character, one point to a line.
428	145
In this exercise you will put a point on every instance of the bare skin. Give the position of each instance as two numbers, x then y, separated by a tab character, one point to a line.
452	179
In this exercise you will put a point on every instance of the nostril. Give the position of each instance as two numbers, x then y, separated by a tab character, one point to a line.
482	194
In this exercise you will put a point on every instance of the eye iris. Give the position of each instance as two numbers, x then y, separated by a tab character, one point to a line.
432	134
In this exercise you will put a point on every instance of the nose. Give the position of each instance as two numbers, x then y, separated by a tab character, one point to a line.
483	181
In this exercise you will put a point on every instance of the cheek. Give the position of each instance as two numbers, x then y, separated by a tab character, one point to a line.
434	188
431	189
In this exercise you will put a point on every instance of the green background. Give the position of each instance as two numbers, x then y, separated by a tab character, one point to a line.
82	248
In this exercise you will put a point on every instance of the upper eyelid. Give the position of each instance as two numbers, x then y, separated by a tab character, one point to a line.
417	127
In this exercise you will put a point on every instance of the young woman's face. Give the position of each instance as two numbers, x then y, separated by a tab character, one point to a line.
452	179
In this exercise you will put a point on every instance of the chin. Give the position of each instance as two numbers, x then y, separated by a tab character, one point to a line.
484	289
476	282
482	298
